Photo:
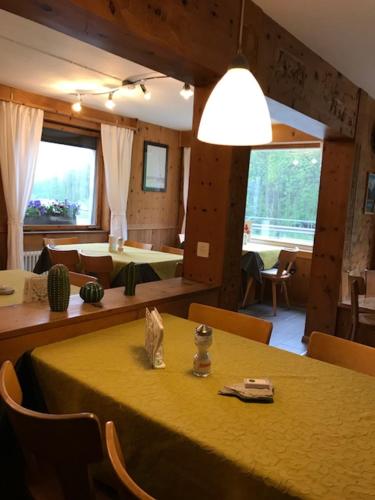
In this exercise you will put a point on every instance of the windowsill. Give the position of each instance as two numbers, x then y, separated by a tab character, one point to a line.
303	249
50	230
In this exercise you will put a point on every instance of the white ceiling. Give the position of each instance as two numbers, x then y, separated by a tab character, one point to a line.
342	32
41	60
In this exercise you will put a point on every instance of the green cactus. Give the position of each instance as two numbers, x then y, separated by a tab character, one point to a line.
92	292
129	279
58	288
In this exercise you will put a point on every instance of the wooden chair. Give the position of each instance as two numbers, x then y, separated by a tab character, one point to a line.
280	276
179	270
58	448
52	242
233	322
341	352
101	267
167	249
78	279
70	258
367	320
118	464
138	244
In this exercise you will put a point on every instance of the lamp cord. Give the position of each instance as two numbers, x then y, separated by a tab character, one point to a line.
240	33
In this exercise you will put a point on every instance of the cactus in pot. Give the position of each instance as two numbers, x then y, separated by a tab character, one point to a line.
58	288
129	279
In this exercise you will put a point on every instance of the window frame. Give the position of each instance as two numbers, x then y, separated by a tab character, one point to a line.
98	186
305	247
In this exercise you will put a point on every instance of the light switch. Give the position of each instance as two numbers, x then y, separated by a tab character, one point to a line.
203	249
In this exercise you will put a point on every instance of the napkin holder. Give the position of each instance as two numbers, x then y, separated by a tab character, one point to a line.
154	335
35	289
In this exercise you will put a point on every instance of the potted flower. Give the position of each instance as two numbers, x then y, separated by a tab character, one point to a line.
41	213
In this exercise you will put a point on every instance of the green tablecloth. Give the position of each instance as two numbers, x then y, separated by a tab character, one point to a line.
15	278
316	441
268	253
164	264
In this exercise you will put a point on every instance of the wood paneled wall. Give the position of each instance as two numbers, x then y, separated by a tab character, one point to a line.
325	279
360	230
195	41
153	216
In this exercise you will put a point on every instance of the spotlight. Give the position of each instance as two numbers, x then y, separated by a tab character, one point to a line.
186	92
109	104
146	93
77	106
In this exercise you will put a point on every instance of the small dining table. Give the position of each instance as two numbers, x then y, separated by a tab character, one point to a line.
15	278
182	440
162	263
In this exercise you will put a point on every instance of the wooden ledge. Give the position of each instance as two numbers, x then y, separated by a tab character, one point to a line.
24	319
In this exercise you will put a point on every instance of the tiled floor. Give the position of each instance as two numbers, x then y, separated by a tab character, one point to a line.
288	326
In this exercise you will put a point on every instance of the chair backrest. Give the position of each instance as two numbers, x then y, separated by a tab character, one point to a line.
52	242
179	270
78	279
232	322
101	267
138	244
355	276
354	292
67	444
286	260
342	352
70	258
116	458
167	249
370	283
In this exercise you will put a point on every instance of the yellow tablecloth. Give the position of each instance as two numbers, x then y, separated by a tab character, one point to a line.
164	264
15	278
316	441
268	253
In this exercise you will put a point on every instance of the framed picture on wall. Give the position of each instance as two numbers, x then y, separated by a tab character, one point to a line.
155	166
370	194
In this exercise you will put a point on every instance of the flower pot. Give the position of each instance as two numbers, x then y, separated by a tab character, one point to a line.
52	220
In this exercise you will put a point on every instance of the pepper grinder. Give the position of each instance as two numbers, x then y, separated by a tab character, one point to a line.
201	360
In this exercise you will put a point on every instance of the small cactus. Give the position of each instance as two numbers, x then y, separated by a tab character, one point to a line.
92	292
58	288
129	279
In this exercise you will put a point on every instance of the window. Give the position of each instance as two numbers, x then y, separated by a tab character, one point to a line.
282	194
65	180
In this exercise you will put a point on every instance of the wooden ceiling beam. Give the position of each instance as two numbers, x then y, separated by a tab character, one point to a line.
194	42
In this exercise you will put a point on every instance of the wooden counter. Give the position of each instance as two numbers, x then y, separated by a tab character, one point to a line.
25	326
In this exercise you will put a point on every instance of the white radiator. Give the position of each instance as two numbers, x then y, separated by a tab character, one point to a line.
30	259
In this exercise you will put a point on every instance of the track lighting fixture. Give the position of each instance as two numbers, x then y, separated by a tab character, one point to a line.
128	87
109	103
146	93
186	92
77	106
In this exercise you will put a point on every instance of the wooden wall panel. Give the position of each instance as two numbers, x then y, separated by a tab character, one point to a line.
335	182
153	216
360	232
215	212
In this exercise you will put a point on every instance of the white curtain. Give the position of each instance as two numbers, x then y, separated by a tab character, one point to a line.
185	187
20	134
117	145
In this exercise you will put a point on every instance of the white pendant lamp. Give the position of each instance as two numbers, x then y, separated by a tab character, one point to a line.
236	112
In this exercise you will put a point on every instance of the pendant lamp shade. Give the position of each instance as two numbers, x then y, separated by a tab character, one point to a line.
236	113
